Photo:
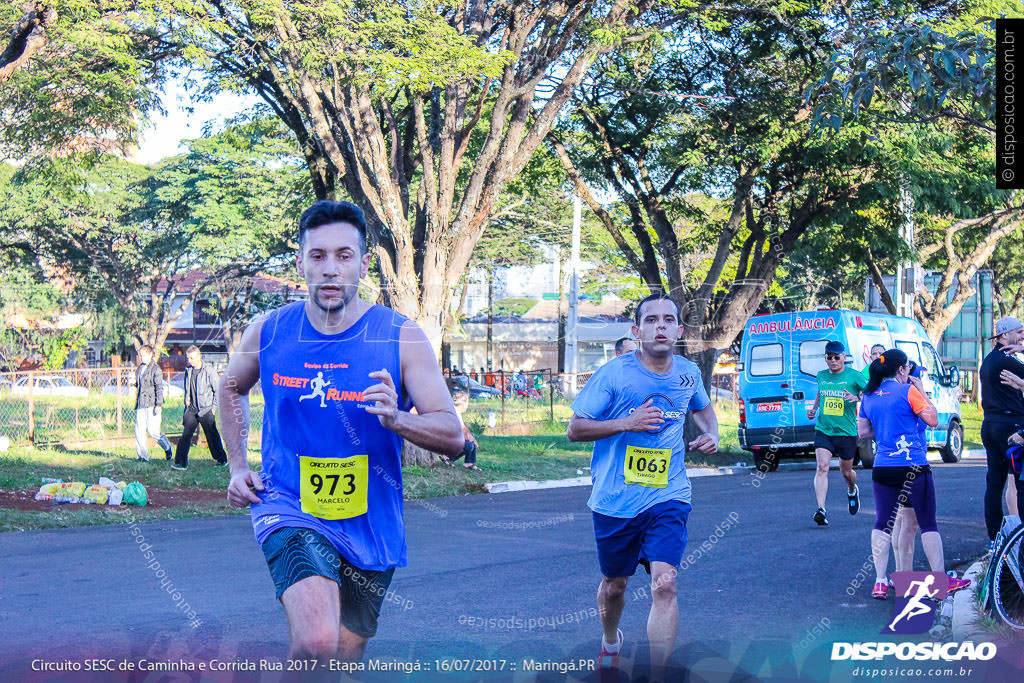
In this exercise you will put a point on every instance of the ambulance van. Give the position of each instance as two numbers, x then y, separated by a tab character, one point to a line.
782	353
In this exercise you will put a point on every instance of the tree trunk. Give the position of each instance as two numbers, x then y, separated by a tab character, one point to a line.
414	456
490	318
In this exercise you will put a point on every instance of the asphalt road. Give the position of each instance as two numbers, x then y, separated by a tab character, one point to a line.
512	577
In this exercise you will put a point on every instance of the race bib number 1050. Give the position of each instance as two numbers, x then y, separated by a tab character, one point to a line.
647	466
833	406
333	488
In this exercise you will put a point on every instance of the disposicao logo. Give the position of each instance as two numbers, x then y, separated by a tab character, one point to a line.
914	611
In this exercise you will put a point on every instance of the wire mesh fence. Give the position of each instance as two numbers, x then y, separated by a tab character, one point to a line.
88	405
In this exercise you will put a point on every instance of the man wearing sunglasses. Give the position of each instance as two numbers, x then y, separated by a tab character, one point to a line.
835	432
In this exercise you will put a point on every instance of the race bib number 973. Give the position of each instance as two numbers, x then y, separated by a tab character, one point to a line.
333	488
833	406
647	466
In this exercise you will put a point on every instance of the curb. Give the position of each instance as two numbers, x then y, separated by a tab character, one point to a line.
965	612
510	486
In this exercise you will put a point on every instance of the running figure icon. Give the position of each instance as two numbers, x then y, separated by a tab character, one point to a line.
904	446
317	385
915	607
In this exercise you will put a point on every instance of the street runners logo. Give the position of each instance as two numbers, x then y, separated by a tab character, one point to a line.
667	408
314	389
911	614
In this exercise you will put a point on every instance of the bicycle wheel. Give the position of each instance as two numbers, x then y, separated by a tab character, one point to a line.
1008	582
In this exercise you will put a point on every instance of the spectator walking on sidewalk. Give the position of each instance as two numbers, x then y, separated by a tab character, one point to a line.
149	399
200	401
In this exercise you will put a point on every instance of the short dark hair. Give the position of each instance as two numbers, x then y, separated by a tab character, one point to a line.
877	346
657	296
325	212
619	343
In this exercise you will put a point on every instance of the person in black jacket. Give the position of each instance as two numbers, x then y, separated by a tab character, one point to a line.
1003	406
149	399
200	401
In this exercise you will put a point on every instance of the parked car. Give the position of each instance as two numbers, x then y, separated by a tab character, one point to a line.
128	387
49	385
472	387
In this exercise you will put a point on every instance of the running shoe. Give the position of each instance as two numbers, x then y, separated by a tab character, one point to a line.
956	584
881	591
821	517
608	662
854	499
179	467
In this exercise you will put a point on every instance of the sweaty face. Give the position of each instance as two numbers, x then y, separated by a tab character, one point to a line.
332	265
659	327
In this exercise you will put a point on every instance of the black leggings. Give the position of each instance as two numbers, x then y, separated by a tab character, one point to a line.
896	487
994	433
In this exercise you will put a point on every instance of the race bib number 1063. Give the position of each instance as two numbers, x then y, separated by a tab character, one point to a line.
647	466
333	488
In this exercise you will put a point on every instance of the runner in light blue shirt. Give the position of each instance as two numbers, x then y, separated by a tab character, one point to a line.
634	408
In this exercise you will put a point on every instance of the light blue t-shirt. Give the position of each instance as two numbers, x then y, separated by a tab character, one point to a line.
615	390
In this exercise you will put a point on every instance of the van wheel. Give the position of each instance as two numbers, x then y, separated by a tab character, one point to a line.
866	453
766	461
954	447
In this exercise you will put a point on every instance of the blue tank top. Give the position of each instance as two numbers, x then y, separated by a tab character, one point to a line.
314	428
899	432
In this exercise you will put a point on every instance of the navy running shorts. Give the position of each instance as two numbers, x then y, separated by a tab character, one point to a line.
295	553
658	534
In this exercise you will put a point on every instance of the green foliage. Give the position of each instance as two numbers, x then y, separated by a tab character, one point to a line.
89	87
924	64
513	306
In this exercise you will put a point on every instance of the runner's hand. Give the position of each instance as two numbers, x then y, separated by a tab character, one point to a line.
1008	378
848	396
646	418
242	488
705	443
385	398
810	413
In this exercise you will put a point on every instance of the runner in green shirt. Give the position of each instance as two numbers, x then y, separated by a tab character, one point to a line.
876	351
839	389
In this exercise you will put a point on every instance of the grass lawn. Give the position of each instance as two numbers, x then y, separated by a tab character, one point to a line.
544	453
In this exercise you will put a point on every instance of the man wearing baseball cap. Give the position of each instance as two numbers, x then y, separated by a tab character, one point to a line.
1003	406
835	432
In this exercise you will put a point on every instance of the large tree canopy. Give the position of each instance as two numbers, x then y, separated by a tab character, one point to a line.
388	102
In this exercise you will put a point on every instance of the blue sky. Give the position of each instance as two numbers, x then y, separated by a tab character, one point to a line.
163	136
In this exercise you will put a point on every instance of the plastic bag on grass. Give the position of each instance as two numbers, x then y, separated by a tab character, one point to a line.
96	494
134	494
115	497
47	491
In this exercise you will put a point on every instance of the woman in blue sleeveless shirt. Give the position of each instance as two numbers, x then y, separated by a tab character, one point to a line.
895	412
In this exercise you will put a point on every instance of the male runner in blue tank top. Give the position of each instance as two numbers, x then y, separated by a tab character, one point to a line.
327	502
633	409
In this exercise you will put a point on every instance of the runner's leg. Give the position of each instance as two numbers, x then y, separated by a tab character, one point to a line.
846	468
663	622
610	601
824	457
314	612
903	539
350	645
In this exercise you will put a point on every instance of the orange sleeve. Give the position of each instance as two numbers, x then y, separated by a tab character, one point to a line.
917	401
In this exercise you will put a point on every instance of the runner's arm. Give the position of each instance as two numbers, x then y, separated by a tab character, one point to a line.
242	373
864	428
814	407
434	426
707	423
645	418
922	407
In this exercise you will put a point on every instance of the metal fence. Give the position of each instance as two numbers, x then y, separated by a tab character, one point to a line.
47	407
